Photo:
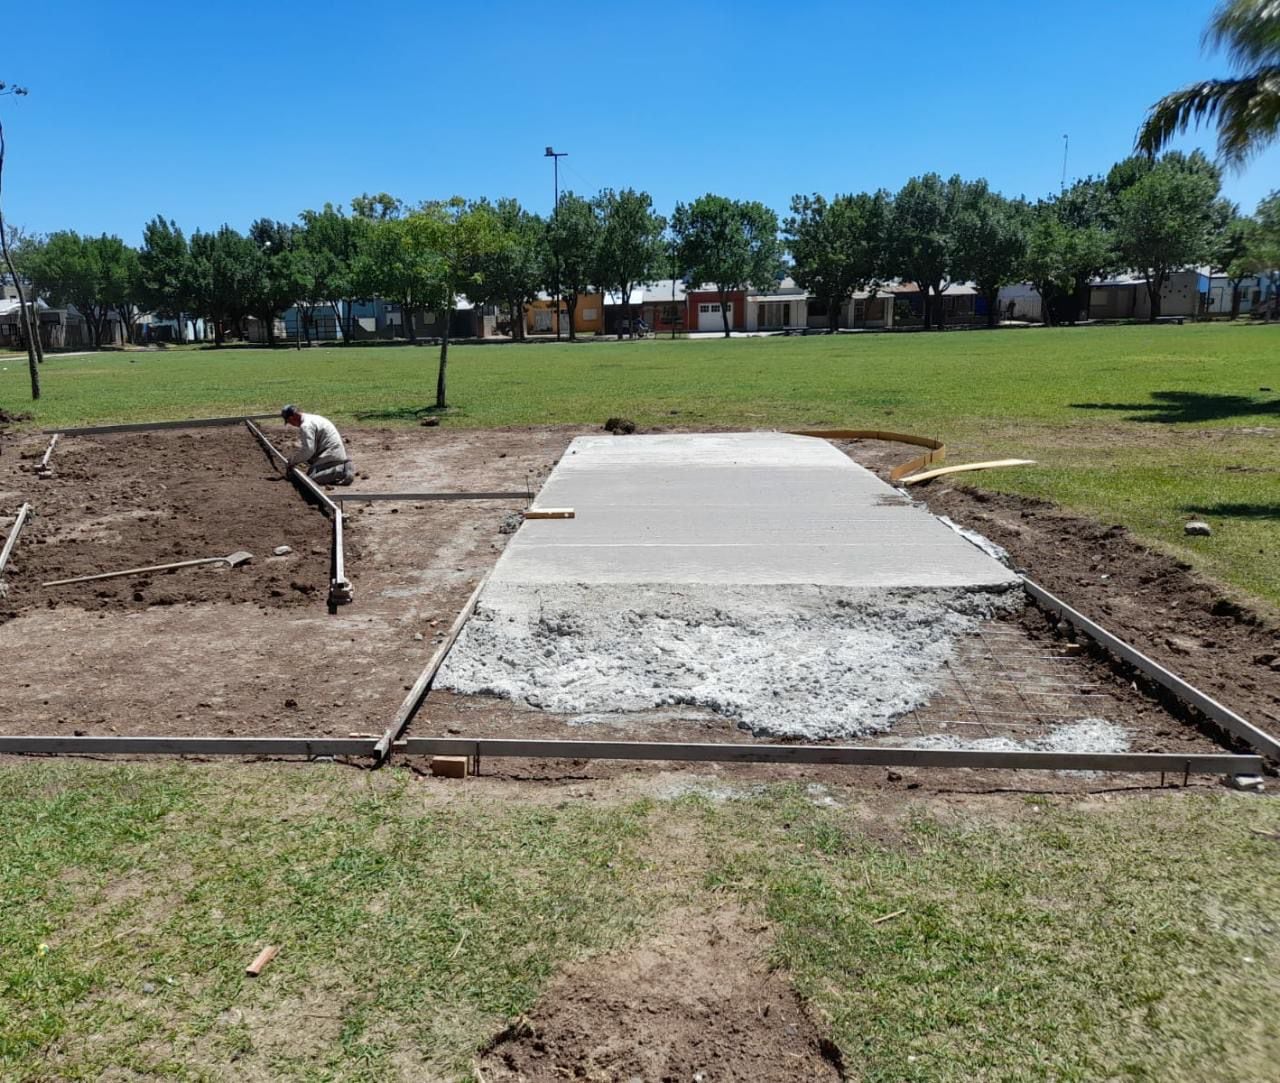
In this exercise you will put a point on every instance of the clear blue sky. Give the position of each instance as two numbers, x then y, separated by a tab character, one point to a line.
224	112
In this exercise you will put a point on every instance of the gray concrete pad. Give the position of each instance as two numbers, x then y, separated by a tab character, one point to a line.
741	508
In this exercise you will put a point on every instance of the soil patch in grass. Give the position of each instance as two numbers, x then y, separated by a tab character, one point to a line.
136	500
696	1002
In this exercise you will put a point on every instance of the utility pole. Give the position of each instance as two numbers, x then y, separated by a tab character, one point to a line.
30	326
555	211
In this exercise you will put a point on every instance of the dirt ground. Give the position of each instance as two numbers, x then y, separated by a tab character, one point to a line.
252	650
695	1002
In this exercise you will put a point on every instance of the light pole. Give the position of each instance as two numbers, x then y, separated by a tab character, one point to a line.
555	157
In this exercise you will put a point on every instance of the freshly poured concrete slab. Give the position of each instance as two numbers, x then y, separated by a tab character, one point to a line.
742	508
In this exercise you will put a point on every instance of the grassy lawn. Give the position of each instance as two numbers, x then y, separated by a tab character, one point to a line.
1144	426
1037	939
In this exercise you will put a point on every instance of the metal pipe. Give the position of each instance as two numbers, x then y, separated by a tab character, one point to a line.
151	426
372	497
182	746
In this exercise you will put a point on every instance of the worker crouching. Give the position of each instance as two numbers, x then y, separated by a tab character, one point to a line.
319	447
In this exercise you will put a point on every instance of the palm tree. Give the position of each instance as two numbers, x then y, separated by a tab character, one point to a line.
1246	109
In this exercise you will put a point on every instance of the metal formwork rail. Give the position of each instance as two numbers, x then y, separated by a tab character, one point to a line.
154	426
24	513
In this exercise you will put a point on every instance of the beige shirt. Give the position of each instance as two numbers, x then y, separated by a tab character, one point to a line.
318	443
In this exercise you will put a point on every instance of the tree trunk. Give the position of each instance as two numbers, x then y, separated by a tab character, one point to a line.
33	361
928	309
724	313
441	401
1235	300
993	307
410	328
571	303
1153	294
833	314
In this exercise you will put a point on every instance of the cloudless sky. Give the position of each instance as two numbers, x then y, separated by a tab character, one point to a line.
229	111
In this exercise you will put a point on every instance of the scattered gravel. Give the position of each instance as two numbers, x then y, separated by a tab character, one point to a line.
782	661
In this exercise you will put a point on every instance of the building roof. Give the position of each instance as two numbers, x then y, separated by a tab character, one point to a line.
660	291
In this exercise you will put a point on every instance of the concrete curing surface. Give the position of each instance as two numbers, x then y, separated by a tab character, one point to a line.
761	575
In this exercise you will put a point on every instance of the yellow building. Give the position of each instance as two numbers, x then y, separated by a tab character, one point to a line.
540	317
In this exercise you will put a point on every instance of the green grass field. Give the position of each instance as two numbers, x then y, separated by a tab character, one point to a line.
1144	426
1034	938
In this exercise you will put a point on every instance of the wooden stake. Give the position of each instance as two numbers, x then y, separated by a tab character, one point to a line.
888	917
261	961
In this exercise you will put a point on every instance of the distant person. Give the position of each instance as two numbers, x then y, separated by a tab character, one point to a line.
319	447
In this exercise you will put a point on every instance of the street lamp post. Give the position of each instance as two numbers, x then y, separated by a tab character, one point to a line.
555	157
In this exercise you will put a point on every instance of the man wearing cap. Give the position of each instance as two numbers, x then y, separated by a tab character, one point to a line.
320	447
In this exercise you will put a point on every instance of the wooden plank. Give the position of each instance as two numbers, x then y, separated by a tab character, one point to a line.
961	468
10	542
189	746
425	497
153	426
850	755
548	513
423	684
937	450
261	961
1260	742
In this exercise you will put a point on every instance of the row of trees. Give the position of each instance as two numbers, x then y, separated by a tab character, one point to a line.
1152	216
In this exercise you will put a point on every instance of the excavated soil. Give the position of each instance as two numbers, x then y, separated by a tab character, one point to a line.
1149	598
139	499
694	1003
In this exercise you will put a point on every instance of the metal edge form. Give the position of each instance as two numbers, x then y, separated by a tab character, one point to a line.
851	755
423	684
1262	743
201	746
151	426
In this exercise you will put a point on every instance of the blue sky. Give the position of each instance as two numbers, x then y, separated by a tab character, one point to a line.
225	112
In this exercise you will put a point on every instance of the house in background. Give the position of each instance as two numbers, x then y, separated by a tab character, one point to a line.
619	312
588	316
1255	293
1020	301
1125	296
665	306
704	309
960	304
782	306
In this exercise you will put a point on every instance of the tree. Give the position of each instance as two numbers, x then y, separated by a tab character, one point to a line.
837	248
923	245
511	272
1268	248
631	246
990	243
733	244
1060	261
1163	223
1235	255
456	238
1245	109
390	267
234	276
332	243
164	283
281	273
573	239
95	274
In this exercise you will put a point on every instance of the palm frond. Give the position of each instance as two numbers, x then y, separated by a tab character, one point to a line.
1246	111
1247	30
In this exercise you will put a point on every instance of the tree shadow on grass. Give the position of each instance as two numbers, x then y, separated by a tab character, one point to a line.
1172	407
1234	511
402	413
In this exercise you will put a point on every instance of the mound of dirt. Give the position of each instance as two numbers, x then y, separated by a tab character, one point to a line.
695	1003
132	500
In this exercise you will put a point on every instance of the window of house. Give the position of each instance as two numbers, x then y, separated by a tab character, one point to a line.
715	308
704	308
669	314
